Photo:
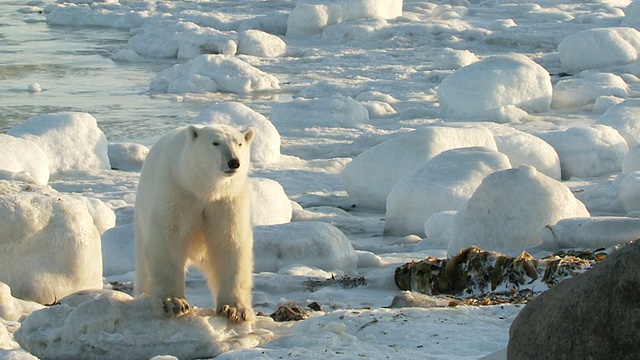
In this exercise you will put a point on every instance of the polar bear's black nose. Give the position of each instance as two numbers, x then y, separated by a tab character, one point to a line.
233	164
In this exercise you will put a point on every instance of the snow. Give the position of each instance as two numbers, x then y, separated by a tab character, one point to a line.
615	46
371	176
443	183
481	89
70	140
266	143
307	243
587	152
350	99
23	160
508	209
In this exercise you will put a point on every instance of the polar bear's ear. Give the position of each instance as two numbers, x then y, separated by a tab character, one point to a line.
248	135
193	132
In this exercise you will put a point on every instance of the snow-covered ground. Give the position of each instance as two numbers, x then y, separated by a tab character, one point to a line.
387	131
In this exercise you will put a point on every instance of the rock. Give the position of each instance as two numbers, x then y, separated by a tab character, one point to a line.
593	316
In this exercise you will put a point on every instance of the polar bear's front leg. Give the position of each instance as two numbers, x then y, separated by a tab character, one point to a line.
166	259
235	280
229	262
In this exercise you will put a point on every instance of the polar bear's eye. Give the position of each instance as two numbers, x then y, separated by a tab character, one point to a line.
216	144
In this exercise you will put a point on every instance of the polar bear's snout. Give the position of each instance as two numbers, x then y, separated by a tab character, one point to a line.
233	164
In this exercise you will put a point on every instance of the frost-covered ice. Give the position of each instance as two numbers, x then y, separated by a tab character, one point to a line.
354	104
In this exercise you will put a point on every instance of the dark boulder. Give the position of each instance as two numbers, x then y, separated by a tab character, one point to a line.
593	316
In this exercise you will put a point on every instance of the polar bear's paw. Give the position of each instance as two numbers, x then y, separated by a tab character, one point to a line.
236	314
173	307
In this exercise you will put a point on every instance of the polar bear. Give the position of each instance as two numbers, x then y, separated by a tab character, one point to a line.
192	207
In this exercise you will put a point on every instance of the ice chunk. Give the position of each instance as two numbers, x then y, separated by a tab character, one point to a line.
526	149
24	157
587	152
593	233
49	246
509	208
585	88
269	203
631	161
180	39
480	90
112	325
229	74
311	17
450	59
118	250
71	140
127	156
260	43
445	182
597	48
624	117
437	230
336	111
12	309
371	175
308	243
266	144
629	185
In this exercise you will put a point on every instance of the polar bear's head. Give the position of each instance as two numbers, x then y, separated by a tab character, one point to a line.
217	157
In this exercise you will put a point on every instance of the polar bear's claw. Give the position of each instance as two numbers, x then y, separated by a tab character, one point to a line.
175	307
234	314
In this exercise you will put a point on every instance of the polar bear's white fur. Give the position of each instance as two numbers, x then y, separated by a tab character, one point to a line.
192	207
